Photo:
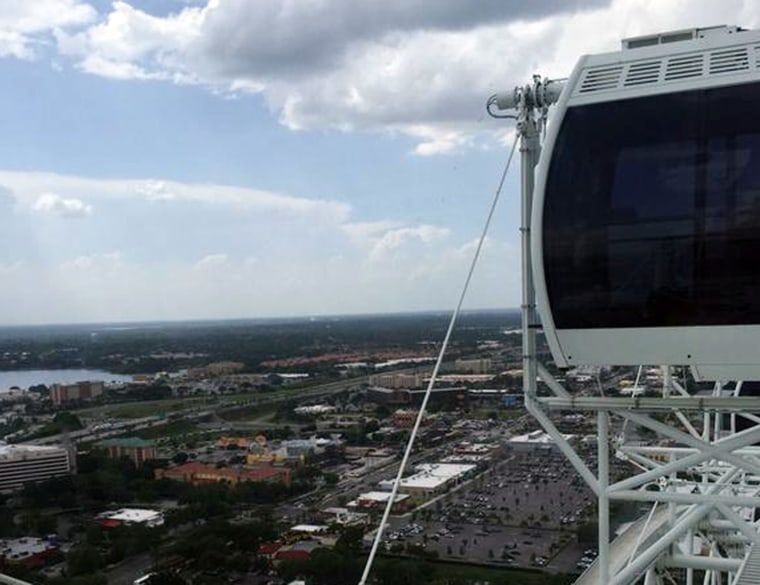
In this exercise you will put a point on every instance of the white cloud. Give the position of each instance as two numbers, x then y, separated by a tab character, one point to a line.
366	234
9	269
156	191
416	67
63	192
397	246
213	251
24	23
211	261
411	66
105	261
53	204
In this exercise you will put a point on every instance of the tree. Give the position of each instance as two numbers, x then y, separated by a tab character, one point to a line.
403	573
84	560
350	540
67	421
180	457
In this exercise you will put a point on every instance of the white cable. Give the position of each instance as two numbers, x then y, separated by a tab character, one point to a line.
439	361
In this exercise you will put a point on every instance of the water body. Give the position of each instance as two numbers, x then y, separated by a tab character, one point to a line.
25	378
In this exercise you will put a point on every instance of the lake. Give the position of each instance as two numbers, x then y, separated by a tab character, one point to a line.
25	378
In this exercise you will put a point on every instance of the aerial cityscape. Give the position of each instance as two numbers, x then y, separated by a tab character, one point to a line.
322	292
246	451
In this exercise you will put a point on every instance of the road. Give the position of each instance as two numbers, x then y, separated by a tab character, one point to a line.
91	433
130	569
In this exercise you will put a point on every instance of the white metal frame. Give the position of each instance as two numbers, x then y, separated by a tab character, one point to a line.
702	481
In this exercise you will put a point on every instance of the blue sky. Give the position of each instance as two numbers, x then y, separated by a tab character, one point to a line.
236	158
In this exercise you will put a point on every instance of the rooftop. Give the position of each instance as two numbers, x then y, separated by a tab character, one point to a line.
17	549
536	437
310	528
126	442
21	451
381	497
134	516
432	475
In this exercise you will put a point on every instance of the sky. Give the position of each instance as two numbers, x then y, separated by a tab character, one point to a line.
179	159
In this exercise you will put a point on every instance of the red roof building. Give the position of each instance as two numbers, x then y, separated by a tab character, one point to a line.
197	473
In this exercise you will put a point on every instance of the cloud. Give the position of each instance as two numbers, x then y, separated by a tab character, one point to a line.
104	261
395	246
9	269
415	67
211	251
25	25
211	261
62	194
411	66
53	204
156	191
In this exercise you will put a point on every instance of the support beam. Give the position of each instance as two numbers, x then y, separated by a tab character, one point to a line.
603	457
655	404
535	409
678	498
650	555
702	563
739	523
727	445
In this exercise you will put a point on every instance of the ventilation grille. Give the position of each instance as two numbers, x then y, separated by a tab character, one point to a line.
671	69
642	73
729	60
684	67
601	78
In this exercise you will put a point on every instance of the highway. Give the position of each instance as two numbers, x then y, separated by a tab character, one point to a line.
99	430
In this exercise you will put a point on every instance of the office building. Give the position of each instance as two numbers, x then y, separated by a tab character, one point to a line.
21	464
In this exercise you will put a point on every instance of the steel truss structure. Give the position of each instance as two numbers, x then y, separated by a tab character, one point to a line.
700	480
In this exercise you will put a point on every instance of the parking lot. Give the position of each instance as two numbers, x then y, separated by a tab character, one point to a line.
523	512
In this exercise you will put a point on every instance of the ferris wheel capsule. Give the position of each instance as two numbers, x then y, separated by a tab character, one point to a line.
645	227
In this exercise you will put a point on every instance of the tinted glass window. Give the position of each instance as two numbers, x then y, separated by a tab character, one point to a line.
652	212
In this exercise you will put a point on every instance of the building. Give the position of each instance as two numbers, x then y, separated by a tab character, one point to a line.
396	381
378	501
536	440
134	448
391	396
467	452
20	464
473	366
29	551
404	419
233	442
344	516
130	516
314	410
199	473
432	479
84	391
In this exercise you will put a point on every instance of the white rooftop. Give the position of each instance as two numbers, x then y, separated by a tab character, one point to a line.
20	451
310	528
136	515
381	496
536	437
433	475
